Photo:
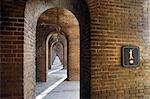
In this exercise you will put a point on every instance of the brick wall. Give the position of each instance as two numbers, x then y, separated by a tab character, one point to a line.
72	31
41	36
11	57
115	23
11	49
29	61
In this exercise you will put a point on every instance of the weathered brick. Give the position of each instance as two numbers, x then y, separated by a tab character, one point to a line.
114	23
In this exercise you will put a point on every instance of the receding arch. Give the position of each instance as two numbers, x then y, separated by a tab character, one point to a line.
56	46
62	38
82	14
58	49
68	34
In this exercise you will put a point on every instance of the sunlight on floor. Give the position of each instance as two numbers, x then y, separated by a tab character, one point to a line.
66	90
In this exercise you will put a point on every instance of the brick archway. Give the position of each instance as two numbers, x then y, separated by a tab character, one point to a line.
61	39
84	23
68	35
58	49
114	23
43	52
24	15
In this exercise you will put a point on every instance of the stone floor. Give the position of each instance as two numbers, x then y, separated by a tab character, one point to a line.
66	90
53	79
56	87
56	66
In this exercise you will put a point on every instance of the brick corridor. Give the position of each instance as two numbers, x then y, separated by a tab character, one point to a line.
56	66
87	35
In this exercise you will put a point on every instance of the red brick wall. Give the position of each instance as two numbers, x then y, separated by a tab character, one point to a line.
11	49
11	57
115	23
72	31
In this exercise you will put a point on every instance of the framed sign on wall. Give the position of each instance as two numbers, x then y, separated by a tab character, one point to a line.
130	56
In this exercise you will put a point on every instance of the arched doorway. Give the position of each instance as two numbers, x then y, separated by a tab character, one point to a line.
52	35
57	54
116	23
84	23
61	39
45	37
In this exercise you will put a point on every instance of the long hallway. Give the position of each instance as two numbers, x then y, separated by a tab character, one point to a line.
103	48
